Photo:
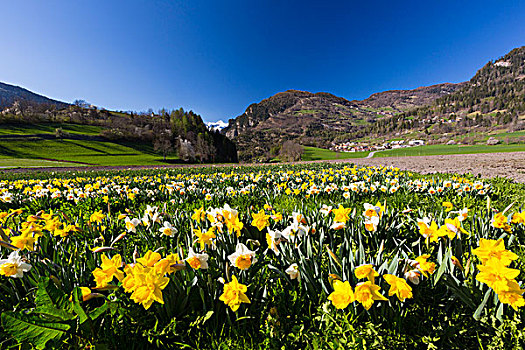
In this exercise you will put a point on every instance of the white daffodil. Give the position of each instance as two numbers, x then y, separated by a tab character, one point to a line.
14	266
298	218
371	210
293	271
168	229
371	223
271	238
243	257
412	276
325	210
7	197
338	226
214	214
228	212
131	224
288	233
150	210
156	217
425	220
462	214
197	261
146	221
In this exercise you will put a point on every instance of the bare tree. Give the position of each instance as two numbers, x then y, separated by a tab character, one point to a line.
186	150
162	143
291	151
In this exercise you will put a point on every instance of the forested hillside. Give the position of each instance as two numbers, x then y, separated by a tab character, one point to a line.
494	98
176	131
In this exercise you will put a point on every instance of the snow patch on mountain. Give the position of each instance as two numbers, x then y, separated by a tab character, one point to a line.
218	125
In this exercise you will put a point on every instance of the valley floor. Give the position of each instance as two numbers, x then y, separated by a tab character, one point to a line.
488	165
506	164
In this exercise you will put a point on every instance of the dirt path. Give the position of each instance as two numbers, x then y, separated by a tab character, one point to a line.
487	165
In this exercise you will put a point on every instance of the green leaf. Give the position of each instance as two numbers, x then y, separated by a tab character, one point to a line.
51	301
99	311
54	313
31	329
477	314
442	267
77	308
499	313
48	295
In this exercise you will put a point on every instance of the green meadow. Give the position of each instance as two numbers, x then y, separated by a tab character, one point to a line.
315	153
86	152
431	150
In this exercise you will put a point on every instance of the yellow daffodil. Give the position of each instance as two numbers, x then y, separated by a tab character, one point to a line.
429	232
448	206
366	293
341	214
425	266
86	294
342	295
198	214
234	294
276	216
495	274
148	288
97	216
260	220
149	259
169	264
399	287
108	269
494	249
501	221
512	294
366	271
234	224
204	237
518	218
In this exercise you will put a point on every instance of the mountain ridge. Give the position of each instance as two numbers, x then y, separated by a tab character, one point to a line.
9	94
496	93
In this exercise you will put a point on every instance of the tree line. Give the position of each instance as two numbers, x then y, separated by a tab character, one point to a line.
168	131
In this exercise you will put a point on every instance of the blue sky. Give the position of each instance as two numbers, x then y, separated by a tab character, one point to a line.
217	57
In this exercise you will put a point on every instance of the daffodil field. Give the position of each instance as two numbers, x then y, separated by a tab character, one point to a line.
321	256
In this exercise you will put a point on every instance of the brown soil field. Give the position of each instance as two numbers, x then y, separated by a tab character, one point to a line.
487	165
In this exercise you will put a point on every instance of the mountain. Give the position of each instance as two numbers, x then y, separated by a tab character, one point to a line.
317	119
312	118
401	100
10	93
494	99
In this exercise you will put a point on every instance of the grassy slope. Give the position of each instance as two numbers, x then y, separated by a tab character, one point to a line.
28	163
449	149
314	153
91	152
27	129
26	153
